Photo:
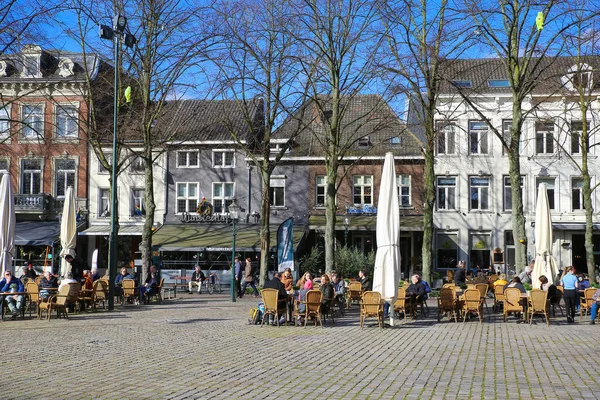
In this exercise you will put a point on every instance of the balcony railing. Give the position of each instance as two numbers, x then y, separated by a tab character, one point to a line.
45	204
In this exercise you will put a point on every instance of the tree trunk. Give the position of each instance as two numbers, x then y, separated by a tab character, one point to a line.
514	170
265	229
150	207
330	216
428	201
587	195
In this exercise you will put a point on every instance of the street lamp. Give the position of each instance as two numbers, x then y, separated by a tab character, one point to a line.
346	225
116	33
234	211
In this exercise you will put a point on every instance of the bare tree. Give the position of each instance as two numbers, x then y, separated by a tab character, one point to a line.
259	68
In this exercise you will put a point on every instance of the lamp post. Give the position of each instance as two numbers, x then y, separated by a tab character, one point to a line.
234	210
116	33
346	225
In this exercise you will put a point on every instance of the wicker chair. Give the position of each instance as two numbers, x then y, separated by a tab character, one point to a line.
448	285
538	304
555	301
512	301
129	291
354	293
99	294
330	310
498	297
447	303
33	292
483	291
400	303
472	304
586	301
56	302
156	295
313	304
38	279
371	306
270	299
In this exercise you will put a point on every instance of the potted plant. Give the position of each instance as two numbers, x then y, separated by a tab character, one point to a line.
463	286
527	287
400	284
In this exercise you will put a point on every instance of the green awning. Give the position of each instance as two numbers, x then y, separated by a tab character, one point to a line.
104	230
365	222
214	237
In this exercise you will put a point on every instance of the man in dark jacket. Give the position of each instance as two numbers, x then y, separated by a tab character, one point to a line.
364	280
49	281
77	267
416	288
11	284
282	296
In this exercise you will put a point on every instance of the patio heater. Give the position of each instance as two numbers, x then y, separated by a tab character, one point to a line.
116	34
234	211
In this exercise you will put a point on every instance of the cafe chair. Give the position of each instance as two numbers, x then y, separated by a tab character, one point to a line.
99	294
33	292
498	297
354	293
538	304
555	302
328	309
472	304
313	304
56	302
447	304
156	295
483	291
270	300
400	303
512	302
130	292
371	306
586	301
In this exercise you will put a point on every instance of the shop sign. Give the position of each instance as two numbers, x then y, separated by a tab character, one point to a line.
205	218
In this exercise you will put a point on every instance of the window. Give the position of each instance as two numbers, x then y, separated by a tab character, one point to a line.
31	176
31	66
362	189
223	195
138	165
320	190
446	138
480	250
364	141
498	83
480	188
223	159
33	121
508	193
462	84
576	130
103	202
478	137
137	203
395	141
101	168
544	137
4	121
187	159
65	175
403	182
447	250
577	194
66	121
3	166
506	127
549	189
446	193
187	197
277	191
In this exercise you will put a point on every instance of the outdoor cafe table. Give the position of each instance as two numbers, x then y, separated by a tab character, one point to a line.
3	294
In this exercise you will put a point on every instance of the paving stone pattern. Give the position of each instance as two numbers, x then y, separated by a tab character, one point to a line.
201	347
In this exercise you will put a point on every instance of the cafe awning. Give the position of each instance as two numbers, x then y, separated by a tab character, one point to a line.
572	226
214	237
104	230
365	222
38	233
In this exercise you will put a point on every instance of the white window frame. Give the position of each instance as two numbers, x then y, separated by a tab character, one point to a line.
400	186
277	181
137	200
578	189
5	121
7	169
359	182
34	172
101	169
226	200
137	165
450	191
187	159
35	124
103	202
187	197
546	179
449	129
66	173
318	187
223	163
575	136
71	117
507	190
479	140
545	135
481	191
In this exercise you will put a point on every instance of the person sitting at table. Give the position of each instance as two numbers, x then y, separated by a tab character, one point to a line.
302	281
49	281
525	276
28	272
500	282
460	276
516	283
595	306
547	286
151	285
11	284
197	278
287	280
282	295
427	287
339	286
119	278
88	283
327	293
364	280
95	274
416	289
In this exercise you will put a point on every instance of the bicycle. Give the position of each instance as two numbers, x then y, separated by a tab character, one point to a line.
212	283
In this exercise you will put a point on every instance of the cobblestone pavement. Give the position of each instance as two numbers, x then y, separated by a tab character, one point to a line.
201	347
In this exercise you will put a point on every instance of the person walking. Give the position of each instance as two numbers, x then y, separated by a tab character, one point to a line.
248	279
237	269
569	283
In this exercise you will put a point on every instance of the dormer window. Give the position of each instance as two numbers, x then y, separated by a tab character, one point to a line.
578	77
395	141
65	67
275	145
32	55
462	84
364	141
498	83
4	67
